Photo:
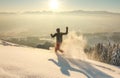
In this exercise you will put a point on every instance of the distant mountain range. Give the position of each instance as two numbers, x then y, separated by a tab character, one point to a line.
62	12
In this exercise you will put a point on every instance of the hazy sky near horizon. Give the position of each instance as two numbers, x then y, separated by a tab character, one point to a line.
62	5
38	23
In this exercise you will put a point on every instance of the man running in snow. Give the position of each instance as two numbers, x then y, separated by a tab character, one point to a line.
59	38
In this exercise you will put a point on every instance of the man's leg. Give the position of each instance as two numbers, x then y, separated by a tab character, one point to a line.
60	49
56	47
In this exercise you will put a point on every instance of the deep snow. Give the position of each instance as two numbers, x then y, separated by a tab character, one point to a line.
26	62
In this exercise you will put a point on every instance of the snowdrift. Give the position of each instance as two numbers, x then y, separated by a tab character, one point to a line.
25	62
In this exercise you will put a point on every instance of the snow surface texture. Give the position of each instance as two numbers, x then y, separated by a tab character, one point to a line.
25	62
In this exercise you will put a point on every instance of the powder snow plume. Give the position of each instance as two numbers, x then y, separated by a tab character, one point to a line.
74	45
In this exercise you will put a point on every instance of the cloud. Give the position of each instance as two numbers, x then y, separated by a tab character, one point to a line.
71	12
8	12
63	12
89	12
38	12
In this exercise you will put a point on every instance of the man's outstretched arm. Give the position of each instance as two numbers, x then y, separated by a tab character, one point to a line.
66	31
53	35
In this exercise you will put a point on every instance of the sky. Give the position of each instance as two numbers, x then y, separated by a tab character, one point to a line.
60	5
103	22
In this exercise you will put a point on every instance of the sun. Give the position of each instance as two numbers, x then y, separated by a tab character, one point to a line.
54	4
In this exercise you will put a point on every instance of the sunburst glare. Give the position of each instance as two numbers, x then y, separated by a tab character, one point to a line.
54	4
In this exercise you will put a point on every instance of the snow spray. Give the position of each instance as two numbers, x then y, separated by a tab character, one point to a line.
74	45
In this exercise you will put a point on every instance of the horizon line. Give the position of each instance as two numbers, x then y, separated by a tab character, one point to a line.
50	11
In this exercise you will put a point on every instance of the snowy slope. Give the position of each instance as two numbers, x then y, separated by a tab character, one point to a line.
25	62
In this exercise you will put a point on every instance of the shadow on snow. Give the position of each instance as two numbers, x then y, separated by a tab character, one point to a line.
64	65
83	67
